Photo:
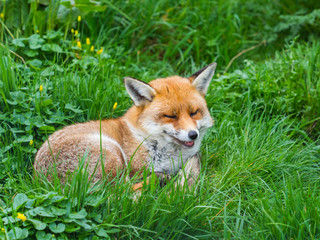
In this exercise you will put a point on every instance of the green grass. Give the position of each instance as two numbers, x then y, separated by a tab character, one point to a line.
260	161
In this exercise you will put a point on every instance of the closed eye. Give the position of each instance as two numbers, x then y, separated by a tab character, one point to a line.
194	113
170	116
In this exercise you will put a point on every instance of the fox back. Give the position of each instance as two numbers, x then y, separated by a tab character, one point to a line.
161	132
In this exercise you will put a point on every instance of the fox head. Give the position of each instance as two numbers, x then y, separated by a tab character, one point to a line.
171	109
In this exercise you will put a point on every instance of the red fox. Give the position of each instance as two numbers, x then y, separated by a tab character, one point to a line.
161	132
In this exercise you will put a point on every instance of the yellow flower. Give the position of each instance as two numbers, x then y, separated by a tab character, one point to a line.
22	217
2	15
76	32
79	18
79	44
41	88
72	30
53	235
115	105
3	230
88	41
37	31
31	142
100	51
92	48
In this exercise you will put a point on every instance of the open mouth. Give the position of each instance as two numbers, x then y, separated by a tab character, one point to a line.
188	144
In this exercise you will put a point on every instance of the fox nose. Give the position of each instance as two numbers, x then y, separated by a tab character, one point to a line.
193	135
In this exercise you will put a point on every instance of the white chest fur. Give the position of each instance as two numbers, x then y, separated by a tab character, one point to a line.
167	157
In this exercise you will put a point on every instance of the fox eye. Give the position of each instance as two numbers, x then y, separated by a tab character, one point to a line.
194	113
170	116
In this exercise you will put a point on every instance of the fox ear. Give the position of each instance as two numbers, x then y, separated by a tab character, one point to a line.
139	91
201	79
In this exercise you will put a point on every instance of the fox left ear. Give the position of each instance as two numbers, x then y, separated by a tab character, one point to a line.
201	79
140	92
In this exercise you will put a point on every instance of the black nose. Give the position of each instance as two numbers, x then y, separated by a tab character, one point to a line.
193	135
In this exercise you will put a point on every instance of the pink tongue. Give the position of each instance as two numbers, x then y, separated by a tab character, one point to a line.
189	144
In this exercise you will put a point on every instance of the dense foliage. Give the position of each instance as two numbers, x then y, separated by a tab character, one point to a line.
62	61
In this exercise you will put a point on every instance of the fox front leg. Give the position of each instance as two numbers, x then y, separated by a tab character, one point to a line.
191	171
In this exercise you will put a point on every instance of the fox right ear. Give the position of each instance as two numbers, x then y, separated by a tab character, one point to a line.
201	79
139	91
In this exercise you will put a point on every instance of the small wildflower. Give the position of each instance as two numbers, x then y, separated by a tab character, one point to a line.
115	105
3	230
92	48
76	32
100	51
22	217
79	44
31	142
41	88
37	31
53	235
88	41
72	30
138	52
79	18
2	15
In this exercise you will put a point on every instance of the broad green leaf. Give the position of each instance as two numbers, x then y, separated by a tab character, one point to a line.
72	228
44	212
31	213
46	102
53	34
36	63
12	102
83	223
7	210
18	96
97	218
30	202
58	198
51	47
8	220
47	72
35	41
58	211
24	139
18	233
79	215
30	53
41	235
72	108
66	219
18	42
101	232
57	228
38	224
19	200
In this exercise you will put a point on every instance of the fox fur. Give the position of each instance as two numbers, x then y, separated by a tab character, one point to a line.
162	131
